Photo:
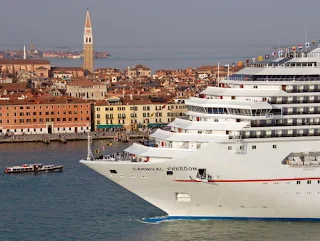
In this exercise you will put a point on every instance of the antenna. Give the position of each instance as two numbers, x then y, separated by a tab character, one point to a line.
218	74
305	43
24	52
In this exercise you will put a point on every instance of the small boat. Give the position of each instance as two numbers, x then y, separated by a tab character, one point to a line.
39	167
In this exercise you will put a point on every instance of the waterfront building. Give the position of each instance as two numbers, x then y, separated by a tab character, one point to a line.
116	112
88	45
44	115
40	67
87	89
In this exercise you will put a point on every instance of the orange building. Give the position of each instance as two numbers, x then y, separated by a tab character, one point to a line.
40	67
44	116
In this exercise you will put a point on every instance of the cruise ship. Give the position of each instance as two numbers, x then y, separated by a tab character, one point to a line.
249	149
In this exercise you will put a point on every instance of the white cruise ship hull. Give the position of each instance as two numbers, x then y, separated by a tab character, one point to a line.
253	184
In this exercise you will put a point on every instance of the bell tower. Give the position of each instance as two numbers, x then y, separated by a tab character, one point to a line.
88	44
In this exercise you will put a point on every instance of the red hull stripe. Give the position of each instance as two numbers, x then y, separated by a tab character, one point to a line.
257	180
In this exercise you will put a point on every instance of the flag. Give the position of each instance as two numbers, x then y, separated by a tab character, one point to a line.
233	64
152	114
164	106
274	54
260	58
300	46
280	52
239	63
294	48
253	60
313	42
287	50
247	60
267	56
307	45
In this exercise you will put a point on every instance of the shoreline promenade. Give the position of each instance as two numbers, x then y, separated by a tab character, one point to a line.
47	138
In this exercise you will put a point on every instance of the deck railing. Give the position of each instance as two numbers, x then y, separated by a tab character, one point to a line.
303	79
116	157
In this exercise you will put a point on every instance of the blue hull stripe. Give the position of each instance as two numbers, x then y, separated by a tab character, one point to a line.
172	218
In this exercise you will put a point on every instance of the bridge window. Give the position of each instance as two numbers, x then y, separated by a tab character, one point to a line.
274	146
309	182
298	182
113	171
254	147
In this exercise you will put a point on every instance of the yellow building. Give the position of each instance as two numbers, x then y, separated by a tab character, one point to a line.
132	114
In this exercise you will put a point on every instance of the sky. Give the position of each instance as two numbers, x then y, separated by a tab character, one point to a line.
127	23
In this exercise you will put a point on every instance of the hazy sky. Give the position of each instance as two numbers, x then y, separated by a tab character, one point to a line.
159	22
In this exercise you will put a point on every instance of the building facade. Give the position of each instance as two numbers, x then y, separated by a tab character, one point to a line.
40	67
87	89
139	71
88	45
133	114
44	116
67	72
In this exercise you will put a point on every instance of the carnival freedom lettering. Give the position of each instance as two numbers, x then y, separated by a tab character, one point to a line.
185	168
155	169
159	169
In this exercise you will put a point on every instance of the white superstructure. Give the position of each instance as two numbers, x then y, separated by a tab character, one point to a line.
250	149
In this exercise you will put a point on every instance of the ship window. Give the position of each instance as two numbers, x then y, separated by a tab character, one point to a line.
298	182
229	148
169	173
309	182
274	146
254	147
113	171
255	87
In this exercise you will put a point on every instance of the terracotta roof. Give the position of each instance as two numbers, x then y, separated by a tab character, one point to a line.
88	20
41	68
52	100
13	86
25	61
84	82
54	69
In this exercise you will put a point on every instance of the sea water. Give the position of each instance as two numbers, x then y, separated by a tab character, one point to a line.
80	204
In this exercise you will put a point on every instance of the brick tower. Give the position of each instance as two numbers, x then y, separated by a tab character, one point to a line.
88	44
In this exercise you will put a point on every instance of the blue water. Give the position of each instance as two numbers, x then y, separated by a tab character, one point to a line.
79	204
172	57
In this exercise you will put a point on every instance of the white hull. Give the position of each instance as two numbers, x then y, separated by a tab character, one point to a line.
247	185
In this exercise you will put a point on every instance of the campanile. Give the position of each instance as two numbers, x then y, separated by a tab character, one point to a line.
88	44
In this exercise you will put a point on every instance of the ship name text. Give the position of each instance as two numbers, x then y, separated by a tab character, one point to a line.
159	169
